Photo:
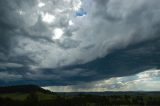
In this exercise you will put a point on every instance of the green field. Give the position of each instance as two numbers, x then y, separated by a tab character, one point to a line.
23	96
15	96
36	96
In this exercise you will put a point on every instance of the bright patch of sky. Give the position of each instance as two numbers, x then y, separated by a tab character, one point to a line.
70	22
41	4
57	33
144	81
77	4
48	18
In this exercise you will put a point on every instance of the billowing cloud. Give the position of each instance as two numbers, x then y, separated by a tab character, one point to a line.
77	39
44	28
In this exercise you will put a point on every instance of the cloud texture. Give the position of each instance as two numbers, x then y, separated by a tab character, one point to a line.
145	81
46	38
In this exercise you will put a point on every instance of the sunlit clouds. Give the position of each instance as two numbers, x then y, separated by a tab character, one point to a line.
149	82
77	4
57	33
48	18
41	4
70	22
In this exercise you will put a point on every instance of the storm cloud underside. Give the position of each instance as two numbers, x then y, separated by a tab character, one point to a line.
63	42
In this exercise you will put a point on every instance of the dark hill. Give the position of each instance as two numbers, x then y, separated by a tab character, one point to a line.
22	89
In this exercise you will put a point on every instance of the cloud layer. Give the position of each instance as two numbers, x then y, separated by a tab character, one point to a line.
145	81
47	40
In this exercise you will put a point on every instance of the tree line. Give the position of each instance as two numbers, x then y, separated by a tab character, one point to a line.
84	100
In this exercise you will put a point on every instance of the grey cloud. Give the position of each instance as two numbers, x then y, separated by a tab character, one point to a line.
107	26
110	26
7	77
10	65
68	43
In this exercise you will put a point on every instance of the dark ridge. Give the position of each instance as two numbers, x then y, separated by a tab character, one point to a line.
22	89
111	93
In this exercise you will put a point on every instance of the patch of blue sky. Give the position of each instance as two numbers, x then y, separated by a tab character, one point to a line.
156	78
80	12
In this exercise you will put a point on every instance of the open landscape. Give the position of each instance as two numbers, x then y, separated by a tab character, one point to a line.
79	52
31	95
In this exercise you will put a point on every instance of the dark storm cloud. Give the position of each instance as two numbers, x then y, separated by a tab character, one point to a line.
115	38
123	62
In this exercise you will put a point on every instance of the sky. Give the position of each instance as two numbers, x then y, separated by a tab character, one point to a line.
80	45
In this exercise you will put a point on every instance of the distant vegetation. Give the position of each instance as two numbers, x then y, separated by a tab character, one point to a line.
30	95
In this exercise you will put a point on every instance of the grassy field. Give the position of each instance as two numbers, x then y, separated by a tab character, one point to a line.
23	96
15	96
36	96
